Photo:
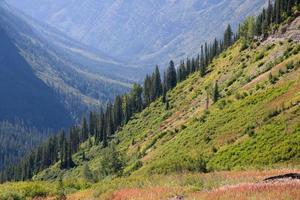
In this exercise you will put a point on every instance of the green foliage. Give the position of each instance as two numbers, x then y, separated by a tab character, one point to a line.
111	163
26	190
222	104
273	79
216	93
60	190
228	37
250	130
133	167
260	64
87	173
244	46
259	56
153	142
290	66
241	130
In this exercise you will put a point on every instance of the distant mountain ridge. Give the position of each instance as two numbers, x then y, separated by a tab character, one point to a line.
82	79
48	81
24	96
142	32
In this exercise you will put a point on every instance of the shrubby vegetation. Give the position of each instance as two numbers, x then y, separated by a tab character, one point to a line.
144	119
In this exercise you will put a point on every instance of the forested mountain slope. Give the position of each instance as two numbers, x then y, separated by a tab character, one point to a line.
234	107
25	96
255	122
26	101
16	141
47	84
64	65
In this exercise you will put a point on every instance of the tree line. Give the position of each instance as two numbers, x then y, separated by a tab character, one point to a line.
103	125
268	20
14	142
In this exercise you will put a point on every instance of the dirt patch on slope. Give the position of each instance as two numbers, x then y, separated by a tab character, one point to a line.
288	31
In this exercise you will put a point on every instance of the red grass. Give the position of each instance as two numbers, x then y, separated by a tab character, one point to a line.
242	185
143	194
286	190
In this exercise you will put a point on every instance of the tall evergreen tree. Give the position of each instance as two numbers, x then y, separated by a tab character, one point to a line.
216	94
157	84
92	122
164	96
136	98
202	63
228	37
74	139
147	90
84	129
109	121
118	111
171	76
66	161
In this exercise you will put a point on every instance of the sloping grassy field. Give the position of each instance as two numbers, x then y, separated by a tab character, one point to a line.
253	131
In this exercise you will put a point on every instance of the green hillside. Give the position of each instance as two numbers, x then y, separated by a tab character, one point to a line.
254	124
212	130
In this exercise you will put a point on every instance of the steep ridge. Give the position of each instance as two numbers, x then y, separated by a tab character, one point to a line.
64	65
26	101
47	82
24	96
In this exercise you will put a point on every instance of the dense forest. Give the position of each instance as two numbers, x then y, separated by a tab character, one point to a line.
14	141
103	126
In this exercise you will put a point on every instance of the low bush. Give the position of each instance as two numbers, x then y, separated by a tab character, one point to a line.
290	66
259	56
273	79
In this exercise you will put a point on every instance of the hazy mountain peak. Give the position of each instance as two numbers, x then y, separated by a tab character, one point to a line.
141	31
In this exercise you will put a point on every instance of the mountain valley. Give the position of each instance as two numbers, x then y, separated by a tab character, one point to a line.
221	124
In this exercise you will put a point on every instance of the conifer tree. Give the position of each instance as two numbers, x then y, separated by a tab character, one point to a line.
171	76
216	94
206	55
188	66
181	72
147	90
136	98
74	139
269	13
127	108
157	85
193	68
228	37
164	96
118	112
109	121
84	130
251	28
277	11
92	122
202	63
